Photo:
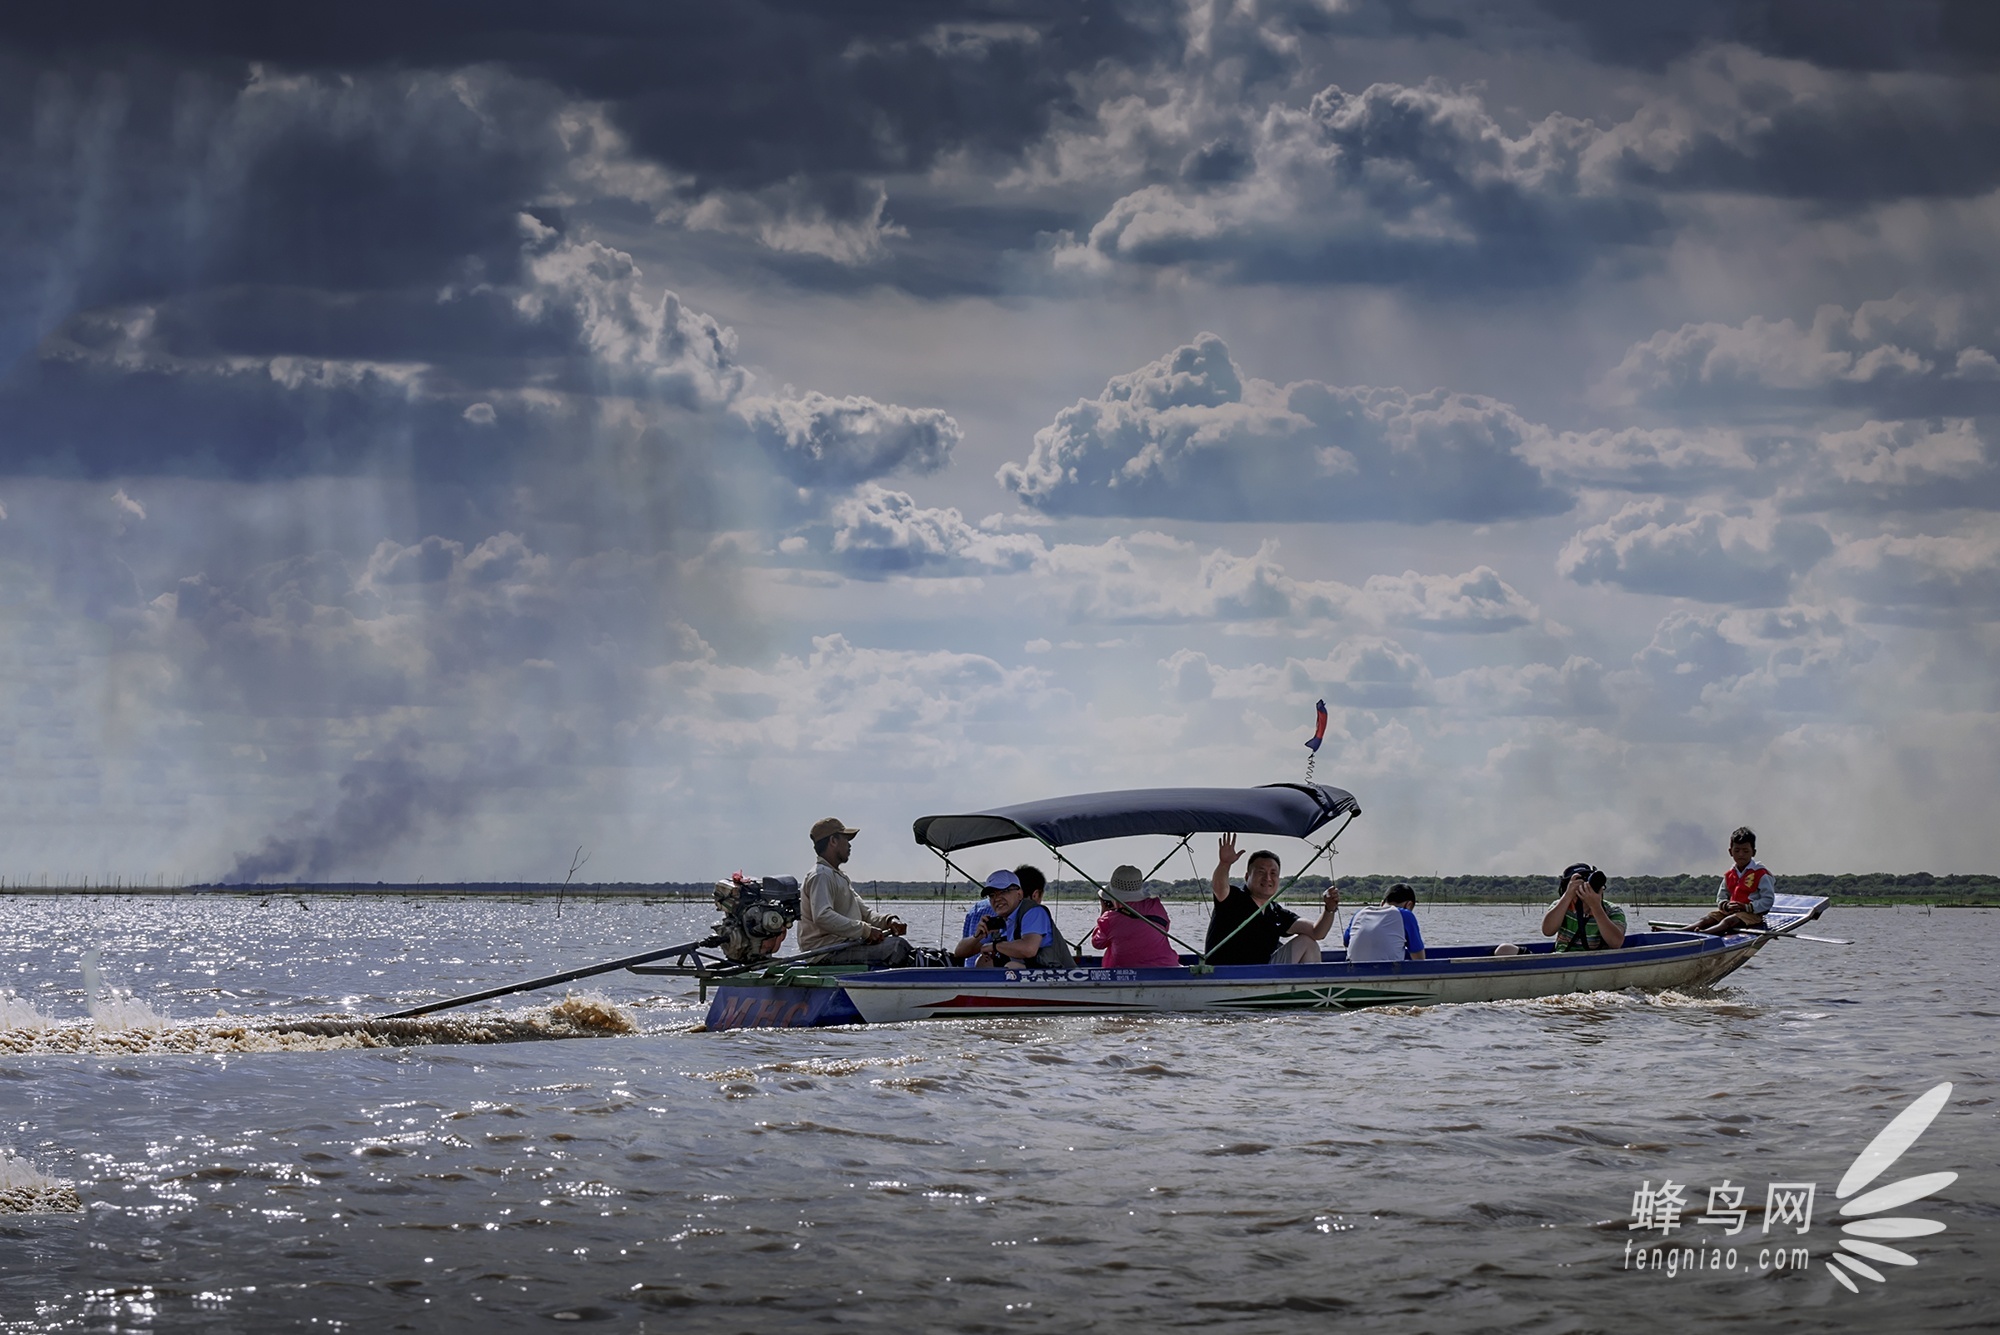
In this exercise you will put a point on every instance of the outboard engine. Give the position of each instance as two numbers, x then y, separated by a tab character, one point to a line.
755	915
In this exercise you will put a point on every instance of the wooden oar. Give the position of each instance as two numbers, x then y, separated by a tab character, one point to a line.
1753	931
1800	936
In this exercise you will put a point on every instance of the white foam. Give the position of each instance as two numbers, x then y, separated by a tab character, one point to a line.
115	1008
585	1016
118	1009
16	1013
26	1189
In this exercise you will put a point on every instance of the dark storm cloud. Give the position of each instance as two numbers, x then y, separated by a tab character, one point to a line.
741	94
258	280
1741	124
313	274
128	183
1388	184
440	385
1190	436
1837	34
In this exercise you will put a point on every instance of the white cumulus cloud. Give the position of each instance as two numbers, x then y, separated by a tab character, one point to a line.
1190	436
1663	546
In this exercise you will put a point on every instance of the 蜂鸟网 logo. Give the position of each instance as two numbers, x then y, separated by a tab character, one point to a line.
1787	1214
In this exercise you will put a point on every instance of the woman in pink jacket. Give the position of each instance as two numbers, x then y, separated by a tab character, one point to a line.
1132	930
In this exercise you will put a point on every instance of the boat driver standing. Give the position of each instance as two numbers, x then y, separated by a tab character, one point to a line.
830	913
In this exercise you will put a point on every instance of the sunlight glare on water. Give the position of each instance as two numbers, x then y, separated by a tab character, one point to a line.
263	1161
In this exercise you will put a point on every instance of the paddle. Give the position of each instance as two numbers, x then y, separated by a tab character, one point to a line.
1800	936
1755	931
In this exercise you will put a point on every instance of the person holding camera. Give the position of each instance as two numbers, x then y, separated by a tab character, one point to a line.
1582	918
987	917
1011	931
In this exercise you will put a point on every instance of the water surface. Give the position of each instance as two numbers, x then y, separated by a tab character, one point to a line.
1466	1168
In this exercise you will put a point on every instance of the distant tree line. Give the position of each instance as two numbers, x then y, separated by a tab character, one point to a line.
1916	887
1923	887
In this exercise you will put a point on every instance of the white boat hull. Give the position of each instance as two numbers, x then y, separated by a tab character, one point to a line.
1662	960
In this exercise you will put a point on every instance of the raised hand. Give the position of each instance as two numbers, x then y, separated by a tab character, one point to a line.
1225	851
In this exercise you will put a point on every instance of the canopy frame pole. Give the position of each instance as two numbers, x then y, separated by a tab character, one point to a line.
1186	839
1085	876
946	860
978	885
1121	906
1304	867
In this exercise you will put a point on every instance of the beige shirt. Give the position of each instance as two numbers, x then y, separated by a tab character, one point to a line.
829	910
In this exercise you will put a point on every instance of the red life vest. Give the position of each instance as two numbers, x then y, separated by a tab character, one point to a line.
1741	887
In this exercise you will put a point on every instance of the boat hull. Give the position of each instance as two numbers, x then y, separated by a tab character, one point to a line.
1467	975
736	1006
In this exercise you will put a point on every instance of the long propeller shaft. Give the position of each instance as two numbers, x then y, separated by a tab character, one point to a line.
554	979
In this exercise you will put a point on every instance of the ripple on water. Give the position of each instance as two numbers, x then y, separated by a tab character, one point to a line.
1456	1169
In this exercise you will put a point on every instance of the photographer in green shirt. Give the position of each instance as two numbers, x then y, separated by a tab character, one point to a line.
1582	918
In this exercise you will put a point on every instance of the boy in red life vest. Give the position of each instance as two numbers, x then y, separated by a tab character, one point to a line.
1747	889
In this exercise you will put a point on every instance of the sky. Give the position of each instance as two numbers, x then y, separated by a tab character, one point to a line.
436	437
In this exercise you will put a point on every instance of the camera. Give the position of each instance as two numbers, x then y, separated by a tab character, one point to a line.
1591	877
996	923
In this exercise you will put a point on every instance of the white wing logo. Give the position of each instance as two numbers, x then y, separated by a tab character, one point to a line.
1871	1163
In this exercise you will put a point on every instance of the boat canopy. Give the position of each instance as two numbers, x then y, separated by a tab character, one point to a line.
1293	810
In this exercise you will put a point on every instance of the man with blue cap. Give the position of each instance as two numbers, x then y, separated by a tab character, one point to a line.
1008	931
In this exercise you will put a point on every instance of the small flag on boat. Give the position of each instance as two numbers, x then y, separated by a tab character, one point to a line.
1319	732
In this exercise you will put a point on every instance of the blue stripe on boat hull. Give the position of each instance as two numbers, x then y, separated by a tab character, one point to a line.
736	1007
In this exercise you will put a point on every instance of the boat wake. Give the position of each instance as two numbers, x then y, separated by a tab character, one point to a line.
1723	1000
577	1016
18	1014
115	1007
26	1189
